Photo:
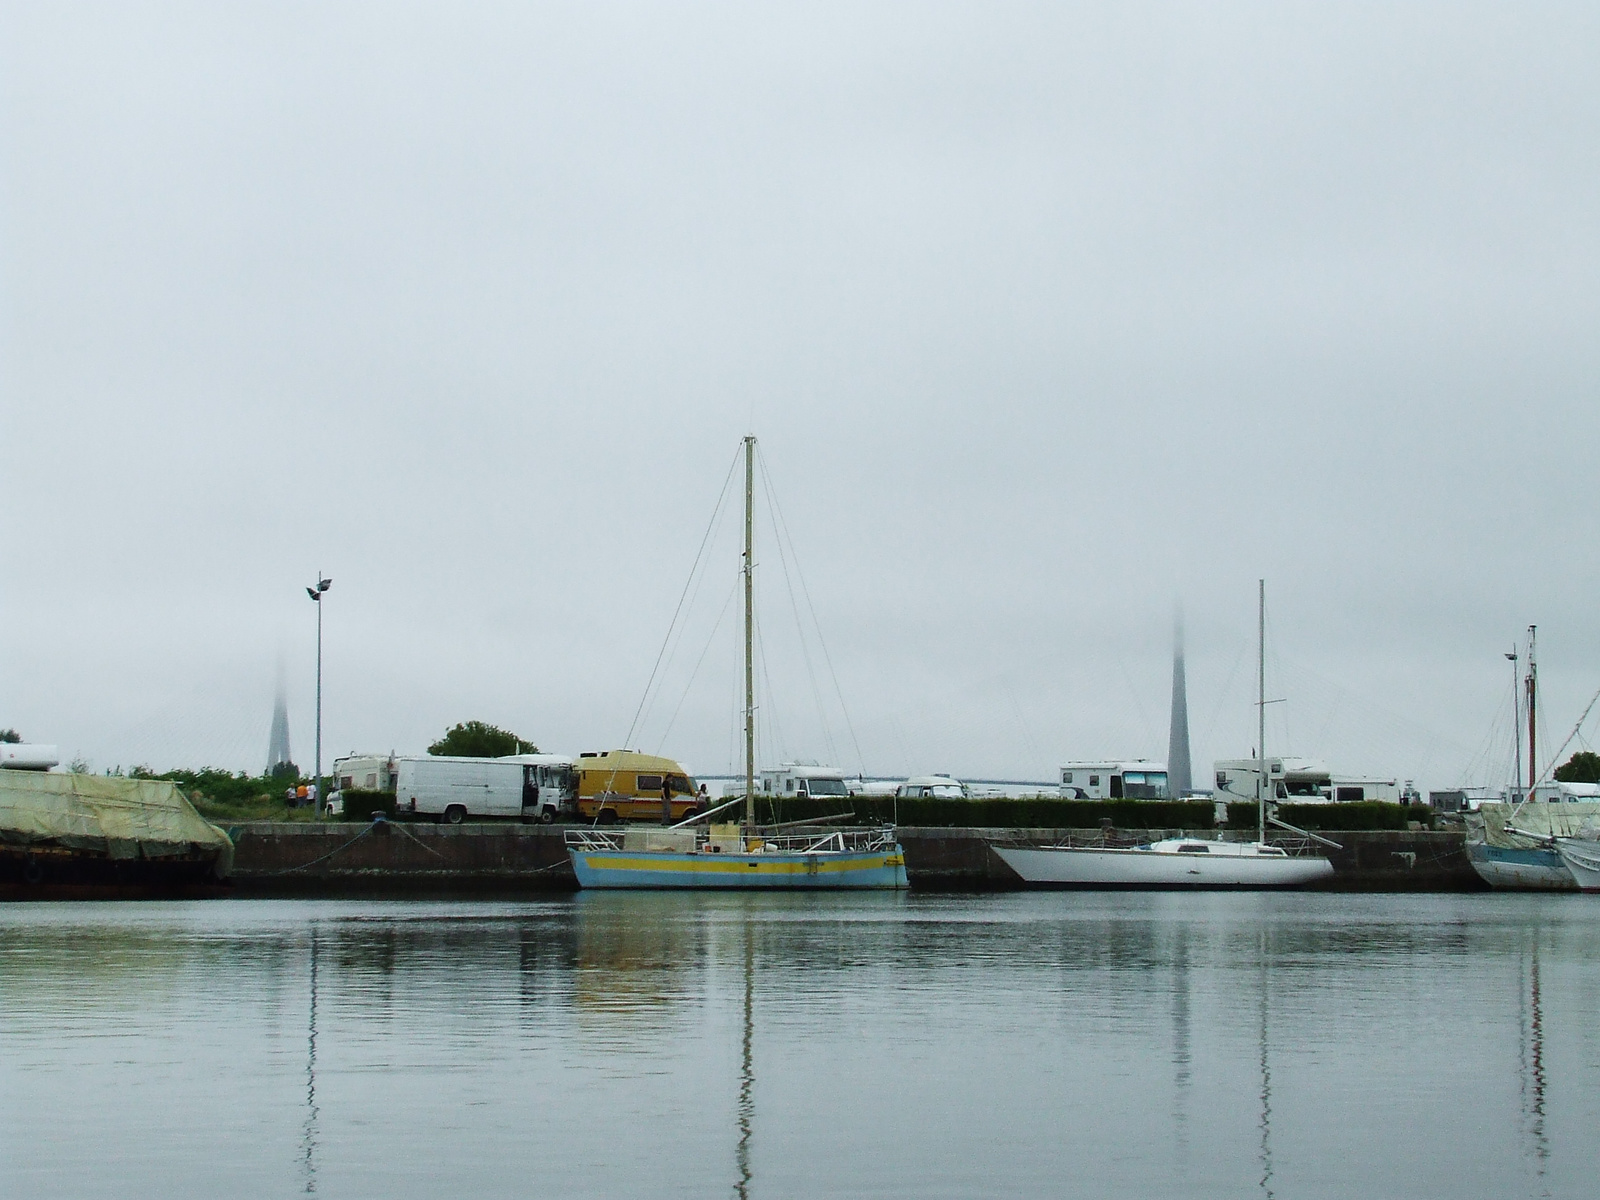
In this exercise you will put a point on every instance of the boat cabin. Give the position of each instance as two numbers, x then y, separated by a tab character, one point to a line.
1136	780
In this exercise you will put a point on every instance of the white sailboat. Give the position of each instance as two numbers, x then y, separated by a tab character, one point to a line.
689	855
1181	862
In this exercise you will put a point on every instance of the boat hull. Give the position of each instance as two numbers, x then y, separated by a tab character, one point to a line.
1133	868
1513	868
883	869
43	872
1582	858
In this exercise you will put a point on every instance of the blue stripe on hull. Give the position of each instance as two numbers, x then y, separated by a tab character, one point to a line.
1519	869
603	869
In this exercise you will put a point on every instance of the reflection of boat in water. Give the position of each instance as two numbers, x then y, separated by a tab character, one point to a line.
739	856
1182	862
65	835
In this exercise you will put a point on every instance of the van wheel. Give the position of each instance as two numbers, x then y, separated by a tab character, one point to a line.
548	816
608	816
455	814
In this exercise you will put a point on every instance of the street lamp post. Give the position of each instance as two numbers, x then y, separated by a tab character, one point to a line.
316	594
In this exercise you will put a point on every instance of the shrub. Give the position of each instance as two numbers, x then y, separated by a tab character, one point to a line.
1002	814
1369	814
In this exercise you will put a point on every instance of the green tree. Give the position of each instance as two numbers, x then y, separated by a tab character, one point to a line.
11	736
1582	767
479	739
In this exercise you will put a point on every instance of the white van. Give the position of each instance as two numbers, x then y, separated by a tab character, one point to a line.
526	786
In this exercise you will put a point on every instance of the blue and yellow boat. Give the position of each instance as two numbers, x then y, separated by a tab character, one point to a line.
730	857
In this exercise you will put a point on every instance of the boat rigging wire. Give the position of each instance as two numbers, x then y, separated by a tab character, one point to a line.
733	590
1550	766
780	524
794	607
683	596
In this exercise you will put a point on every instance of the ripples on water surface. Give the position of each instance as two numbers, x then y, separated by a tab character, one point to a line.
786	1046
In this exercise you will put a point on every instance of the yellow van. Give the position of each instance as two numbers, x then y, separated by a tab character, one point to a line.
624	785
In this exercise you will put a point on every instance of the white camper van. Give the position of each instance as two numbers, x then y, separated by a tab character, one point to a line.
527	786
804	779
1308	781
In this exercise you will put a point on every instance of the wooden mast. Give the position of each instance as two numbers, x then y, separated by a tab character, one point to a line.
749	640
1533	683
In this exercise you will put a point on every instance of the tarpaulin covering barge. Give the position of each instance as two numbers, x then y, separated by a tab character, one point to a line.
66	835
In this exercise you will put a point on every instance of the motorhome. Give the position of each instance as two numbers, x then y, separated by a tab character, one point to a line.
625	785
807	780
1136	780
525	786
1308	781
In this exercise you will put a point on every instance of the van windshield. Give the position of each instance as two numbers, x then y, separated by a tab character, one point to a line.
826	787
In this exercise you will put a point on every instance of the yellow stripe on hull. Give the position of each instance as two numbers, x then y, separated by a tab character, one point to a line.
624	869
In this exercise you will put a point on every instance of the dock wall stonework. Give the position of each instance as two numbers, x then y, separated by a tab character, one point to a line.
406	858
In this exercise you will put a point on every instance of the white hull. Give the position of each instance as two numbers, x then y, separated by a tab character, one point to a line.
1582	858
1062	866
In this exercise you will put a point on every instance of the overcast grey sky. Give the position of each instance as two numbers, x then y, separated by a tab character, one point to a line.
1048	317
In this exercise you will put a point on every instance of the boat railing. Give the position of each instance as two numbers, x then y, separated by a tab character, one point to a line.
594	839
835	841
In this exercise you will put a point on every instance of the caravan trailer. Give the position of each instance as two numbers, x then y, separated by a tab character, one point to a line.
1137	780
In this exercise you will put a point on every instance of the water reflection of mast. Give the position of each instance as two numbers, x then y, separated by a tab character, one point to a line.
1266	1083
1533	1067
746	1107
308	1139
1182	1058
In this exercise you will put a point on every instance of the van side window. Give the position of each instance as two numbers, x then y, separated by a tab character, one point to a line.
1094	781
649	783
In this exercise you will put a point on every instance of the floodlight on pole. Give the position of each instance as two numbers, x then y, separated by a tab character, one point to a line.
316	594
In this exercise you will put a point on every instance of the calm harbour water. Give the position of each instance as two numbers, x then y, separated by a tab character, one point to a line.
1073	1044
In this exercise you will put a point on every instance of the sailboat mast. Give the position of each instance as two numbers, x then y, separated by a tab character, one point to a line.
749	639
1262	781
1533	682
1516	725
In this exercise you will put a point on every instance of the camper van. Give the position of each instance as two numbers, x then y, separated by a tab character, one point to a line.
1308	781
624	785
364	773
1137	780
524	786
933	787
804	780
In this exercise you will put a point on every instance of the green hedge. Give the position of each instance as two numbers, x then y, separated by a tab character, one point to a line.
996	814
1367	814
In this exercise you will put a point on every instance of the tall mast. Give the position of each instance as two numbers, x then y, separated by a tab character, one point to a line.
1262	780
1533	684
749	641
1516	725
